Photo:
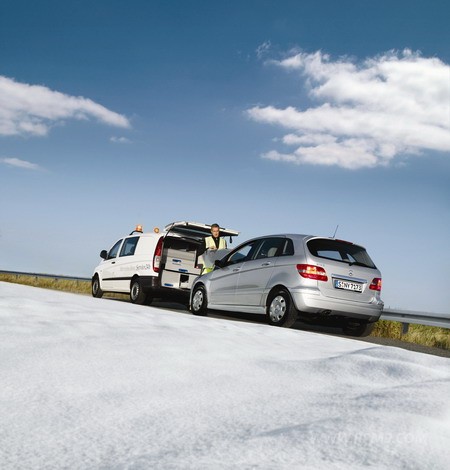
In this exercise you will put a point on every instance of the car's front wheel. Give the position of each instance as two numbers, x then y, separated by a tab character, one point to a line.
137	295
199	302
96	290
280	310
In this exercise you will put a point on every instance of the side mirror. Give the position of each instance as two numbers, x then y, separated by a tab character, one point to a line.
218	263
103	254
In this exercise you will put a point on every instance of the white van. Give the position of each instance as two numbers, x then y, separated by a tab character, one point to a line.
153	264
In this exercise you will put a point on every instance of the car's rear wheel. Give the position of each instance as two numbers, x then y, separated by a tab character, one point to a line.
280	310
96	290
137	295
199	303
358	327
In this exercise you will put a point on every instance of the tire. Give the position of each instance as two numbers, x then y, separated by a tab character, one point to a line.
199	303
96	290
358	328
280	310
137	295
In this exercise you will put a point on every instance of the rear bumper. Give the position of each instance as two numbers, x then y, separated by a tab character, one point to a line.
311	301
150	283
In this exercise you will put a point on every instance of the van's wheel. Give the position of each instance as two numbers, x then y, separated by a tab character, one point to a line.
96	291
358	327
280	310
199	303
137	295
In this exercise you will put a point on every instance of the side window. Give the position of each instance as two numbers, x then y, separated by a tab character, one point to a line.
288	249
243	253
129	246
269	248
114	250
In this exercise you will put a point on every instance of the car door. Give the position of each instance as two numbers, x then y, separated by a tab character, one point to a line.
223	280
255	273
109	268
125	265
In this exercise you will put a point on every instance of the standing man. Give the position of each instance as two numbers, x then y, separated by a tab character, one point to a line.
210	245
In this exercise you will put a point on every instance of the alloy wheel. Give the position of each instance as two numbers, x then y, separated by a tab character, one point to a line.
277	308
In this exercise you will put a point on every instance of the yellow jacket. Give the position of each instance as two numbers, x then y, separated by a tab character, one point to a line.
209	243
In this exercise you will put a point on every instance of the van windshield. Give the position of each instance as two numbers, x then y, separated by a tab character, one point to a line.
342	251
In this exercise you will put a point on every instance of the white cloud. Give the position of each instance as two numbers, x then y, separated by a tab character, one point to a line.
294	139
368	113
16	162
32	109
263	49
120	140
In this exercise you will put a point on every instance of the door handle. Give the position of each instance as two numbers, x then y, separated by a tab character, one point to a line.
236	270
266	264
113	262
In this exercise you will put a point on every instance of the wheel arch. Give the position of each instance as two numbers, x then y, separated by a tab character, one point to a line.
97	276
275	288
135	276
97	279
198	283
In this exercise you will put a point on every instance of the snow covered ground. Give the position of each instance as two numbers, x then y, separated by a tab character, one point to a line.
101	384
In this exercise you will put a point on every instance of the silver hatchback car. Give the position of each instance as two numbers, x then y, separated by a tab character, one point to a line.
285	277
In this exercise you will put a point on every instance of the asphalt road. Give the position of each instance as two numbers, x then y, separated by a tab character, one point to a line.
326	330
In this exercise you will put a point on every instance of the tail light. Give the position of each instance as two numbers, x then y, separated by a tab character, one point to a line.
310	271
376	284
157	255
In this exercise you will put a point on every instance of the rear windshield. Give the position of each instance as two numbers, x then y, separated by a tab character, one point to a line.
337	250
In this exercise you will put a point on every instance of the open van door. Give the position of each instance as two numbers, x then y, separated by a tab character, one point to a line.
197	230
179	255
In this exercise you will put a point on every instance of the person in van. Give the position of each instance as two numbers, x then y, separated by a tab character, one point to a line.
210	245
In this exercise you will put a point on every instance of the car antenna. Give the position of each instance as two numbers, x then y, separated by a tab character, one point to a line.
335	231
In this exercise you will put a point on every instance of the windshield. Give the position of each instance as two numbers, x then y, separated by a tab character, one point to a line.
342	251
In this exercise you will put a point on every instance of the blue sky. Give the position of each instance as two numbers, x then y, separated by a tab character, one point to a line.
265	116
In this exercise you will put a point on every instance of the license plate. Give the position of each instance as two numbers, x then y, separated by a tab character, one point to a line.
346	285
